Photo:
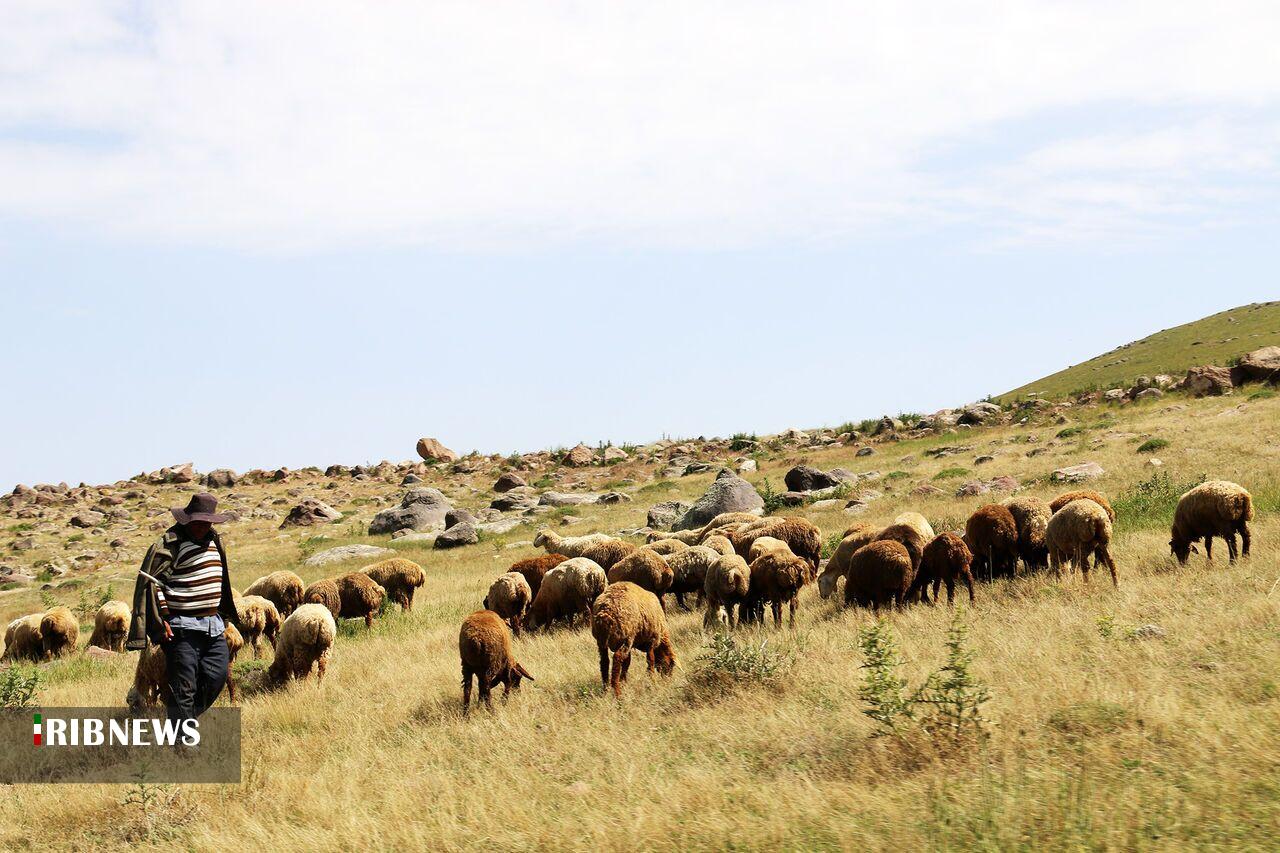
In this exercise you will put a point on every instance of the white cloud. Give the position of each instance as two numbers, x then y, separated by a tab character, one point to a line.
295	125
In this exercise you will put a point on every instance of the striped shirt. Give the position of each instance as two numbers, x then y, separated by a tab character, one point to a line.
195	582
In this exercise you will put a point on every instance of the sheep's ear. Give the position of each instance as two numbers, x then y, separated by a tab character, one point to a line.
524	673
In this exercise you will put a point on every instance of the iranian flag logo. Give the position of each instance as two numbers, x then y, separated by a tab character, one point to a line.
36	727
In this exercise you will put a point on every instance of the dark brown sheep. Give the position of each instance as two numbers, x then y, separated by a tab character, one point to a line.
360	597
800	534
324	592
644	569
1062	500
838	566
945	558
627	617
878	574
992	537
59	632
484	644
910	537
777	576
1031	515
534	568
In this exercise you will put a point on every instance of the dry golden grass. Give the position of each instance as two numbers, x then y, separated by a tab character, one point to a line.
1098	742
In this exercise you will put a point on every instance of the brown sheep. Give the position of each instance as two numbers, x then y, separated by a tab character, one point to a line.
22	639
720	544
665	547
306	640
689	571
945	558
879	573
608	554
567	592
725	519
258	619
59	632
360	597
1062	500
644	569
838	566
1031	516
627	617
534	568
399	577
484	644
509	596
283	589
727	586
1079	529
777	576
324	592
991	535
110	626
800	534
1215	508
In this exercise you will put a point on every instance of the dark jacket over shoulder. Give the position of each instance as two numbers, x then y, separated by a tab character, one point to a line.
146	624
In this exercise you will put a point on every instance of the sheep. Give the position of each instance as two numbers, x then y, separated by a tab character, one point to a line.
1215	508
608	554
1079	529
1062	500
509	596
110	626
283	589
399	577
570	546
22	639
800	534
360	597
991	535
151	678
645	569
627	617
945	558
484	645
534	568
910	537
727	585
324	592
919	522
720	544
665	547
259	618
1031	517
689	571
687	537
777	576
567	592
59	632
878	573
728	518
306	640
838	566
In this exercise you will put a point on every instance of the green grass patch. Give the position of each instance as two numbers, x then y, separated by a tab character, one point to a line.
1262	394
951	473
1070	431
1151	445
1151	502
896	475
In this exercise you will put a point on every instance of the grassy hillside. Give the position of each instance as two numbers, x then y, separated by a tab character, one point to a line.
1101	734
1212	340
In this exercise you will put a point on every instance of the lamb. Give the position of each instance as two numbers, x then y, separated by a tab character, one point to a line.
1031	517
665	547
283	589
110	626
534	568
1062	500
608	554
879	572
777	576
838	566
919	522
991	535
59	631
259	618
1079	529
689	571
720	544
22	639
1215	508
645	569
567	592
570	546
509	596
359	596
945	558
399	577
627	617
151	680
324	592
484	644
800	534
727	585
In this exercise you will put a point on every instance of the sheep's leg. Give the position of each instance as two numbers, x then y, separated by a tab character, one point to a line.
1244	538
321	663
466	689
649	659
368	620
792	604
515	625
1208	548
485	688
616	677
680	601
1105	555
1230	536
968	580
604	667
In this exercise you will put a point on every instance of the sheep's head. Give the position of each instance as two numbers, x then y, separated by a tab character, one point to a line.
1181	548
541	539
827	584
664	657
516	673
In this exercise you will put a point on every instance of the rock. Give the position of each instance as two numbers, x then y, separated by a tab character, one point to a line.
1262	365
184	473
1153	462
1149	394
337	471
614	454
410	480
613	498
1208	381
433	451
579	457
88	518
408	536
747	466
865	451
1078	473
1004	484
983	460
927	490
501	525
696	468
1115	394
508	481
420	509
887	425
99	653
662	516
972	488
978	413
1163	380
221	478
825	503
1148	632
567	498
458	516
793	498
728	493
804	478
566	520
855	507
457	536
24	543
310	511
345	552
517	499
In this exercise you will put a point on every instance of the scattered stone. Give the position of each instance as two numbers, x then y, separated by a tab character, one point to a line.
927	490
24	543
1209	381
729	493
99	653
457	536
457	516
1078	473
433	451
567	498
793	498
1148	632
1153	462
1115	395
410	480
310	511
517	499
613	498
983	460
221	478
662	516
579	457
501	525
615	454
88	518
1149	394
978	413
865	451
508	481
804	478
747	466
887	425
825	503
972	488
1262	365
420	509
345	552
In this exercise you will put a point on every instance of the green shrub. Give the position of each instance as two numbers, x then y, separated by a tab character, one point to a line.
1263	394
1151	445
742	441
882	688
1070	431
1151	502
772	500
19	686
726	663
951	473
896	475
953	693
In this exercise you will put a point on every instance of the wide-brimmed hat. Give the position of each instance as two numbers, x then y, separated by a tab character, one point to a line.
201	508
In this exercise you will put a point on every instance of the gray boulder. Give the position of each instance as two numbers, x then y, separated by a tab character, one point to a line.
508	481
457	516
517	499
978	413
1078	473
1262	365
662	516
729	493
804	478
457	536
1208	381
346	552
567	498
310	511
420	509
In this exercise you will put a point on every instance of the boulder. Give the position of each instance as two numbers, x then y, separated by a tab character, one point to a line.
662	516
1208	381
410	480
567	498
310	511
887	425
457	536
1115	394
613	498
433	451
729	493
517	499
458	516
88	518
978	413
747	466
1149	394
420	509
1262	365
864	451
804	478
614	454
221	478
579	457
346	552
1078	473
508	481
501	525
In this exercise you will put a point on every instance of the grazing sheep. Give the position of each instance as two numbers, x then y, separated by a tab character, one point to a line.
689	572
258	618
509	596
777	576
1215	508
688	537
645	569
306	640
110	626
1062	500
725	519
59	632
570	546
800	534
150	687
283	589
910	537
484	644
1031	517
606	555
627	617
324	592
1079	529
720	544
399	577
665	547
567	592
360	597
919	522
838	566
534	568
727	585
879	572
991	535
22	639
945	558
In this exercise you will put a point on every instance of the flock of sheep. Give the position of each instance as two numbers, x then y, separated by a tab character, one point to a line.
735	565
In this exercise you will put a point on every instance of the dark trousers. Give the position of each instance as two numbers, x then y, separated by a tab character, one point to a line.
197	667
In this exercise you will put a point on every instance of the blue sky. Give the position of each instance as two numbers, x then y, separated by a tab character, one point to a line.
315	238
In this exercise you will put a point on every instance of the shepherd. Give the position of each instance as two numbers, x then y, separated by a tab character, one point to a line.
182	601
